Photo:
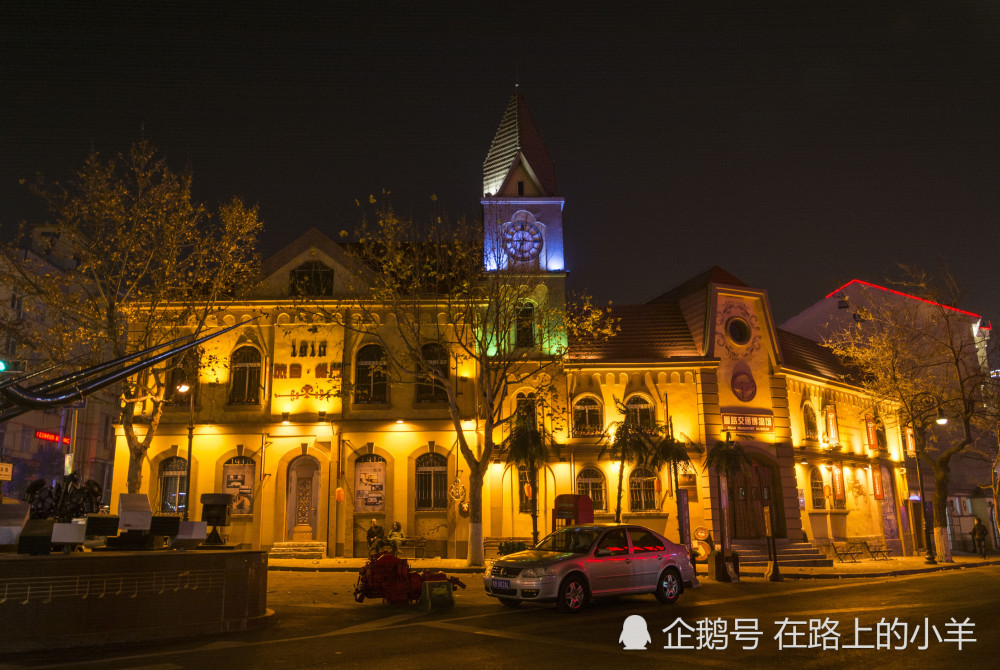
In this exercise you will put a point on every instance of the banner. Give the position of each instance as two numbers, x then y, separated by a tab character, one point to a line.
831	425
877	483
838	483
872	433
911	442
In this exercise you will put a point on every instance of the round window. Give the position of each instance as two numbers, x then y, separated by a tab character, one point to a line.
739	331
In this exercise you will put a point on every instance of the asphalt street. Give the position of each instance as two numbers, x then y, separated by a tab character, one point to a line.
941	619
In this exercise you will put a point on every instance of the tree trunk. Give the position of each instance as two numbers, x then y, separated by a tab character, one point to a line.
135	469
534	505
941	545
621	476
476	553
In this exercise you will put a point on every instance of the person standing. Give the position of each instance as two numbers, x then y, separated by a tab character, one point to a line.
979	533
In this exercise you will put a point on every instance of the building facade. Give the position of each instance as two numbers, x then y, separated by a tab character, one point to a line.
308	461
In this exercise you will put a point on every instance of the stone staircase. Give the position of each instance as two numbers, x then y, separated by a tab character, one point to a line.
297	550
753	554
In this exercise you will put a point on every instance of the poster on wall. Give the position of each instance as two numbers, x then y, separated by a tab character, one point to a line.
369	491
237	479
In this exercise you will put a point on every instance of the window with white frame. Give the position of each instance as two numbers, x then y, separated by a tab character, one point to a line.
639	411
173	484
642	490
244	376
590	482
370	378
588	417
429	390
432	482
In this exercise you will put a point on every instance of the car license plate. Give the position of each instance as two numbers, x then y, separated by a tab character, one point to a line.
501	583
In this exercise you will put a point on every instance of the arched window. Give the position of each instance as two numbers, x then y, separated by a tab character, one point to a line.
173	484
432	482
590	482
427	389
810	428
311	279
816	486
588	419
639	411
244	376
524	326
238	479
370	383
642	490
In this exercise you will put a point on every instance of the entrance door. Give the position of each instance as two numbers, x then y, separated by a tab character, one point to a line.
748	494
302	501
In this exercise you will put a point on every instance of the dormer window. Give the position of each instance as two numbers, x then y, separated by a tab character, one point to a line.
312	279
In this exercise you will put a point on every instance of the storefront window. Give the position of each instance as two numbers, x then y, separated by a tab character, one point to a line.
590	482
432	482
173	484
818	495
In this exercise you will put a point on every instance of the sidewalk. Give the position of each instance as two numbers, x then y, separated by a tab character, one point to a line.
897	565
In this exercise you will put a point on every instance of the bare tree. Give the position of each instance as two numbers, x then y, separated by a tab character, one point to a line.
130	262
426	284
921	354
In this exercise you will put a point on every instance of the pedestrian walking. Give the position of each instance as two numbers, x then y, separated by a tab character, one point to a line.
979	533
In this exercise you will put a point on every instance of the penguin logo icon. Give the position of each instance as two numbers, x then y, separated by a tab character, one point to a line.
635	635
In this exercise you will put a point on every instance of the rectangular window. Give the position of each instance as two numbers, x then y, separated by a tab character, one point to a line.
524	335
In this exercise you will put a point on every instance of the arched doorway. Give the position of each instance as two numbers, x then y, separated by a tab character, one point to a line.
302	501
749	493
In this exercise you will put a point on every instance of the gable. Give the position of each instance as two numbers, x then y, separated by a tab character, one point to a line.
307	250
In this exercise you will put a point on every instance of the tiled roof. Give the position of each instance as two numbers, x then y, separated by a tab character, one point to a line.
714	275
648	332
518	133
805	355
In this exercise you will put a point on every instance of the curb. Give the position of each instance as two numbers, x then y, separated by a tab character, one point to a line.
347	568
867	575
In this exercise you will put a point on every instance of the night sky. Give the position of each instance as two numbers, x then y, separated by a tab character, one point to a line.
797	145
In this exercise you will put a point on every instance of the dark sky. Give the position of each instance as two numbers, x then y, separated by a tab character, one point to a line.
798	145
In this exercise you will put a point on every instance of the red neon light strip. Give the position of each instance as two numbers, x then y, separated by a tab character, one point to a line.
905	295
49	437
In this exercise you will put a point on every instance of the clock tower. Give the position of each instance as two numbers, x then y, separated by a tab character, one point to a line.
522	212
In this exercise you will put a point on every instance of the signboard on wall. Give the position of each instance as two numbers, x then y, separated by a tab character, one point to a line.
747	423
369	491
237	479
911	442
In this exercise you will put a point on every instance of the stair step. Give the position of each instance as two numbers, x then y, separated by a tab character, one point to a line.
310	550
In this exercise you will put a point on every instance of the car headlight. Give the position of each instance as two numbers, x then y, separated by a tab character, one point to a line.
536	572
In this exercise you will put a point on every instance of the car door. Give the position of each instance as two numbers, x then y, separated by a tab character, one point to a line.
610	566
648	554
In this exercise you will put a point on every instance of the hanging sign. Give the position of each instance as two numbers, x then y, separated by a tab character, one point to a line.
831	425
838	483
911	442
872	433
877	483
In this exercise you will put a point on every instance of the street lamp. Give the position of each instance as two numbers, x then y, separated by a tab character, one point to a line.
184	387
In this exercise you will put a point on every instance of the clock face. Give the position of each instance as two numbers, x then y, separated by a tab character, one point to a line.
522	240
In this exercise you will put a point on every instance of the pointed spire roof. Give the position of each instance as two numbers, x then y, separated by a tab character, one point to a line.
518	142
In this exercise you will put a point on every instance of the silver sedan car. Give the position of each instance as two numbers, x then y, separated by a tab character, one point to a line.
576	563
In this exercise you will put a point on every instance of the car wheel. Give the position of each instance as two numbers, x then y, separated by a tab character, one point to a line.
668	587
572	594
509	602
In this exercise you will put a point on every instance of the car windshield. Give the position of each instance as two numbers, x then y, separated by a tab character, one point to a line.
576	540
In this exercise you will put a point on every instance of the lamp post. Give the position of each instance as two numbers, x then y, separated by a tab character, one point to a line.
184	387
928	519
